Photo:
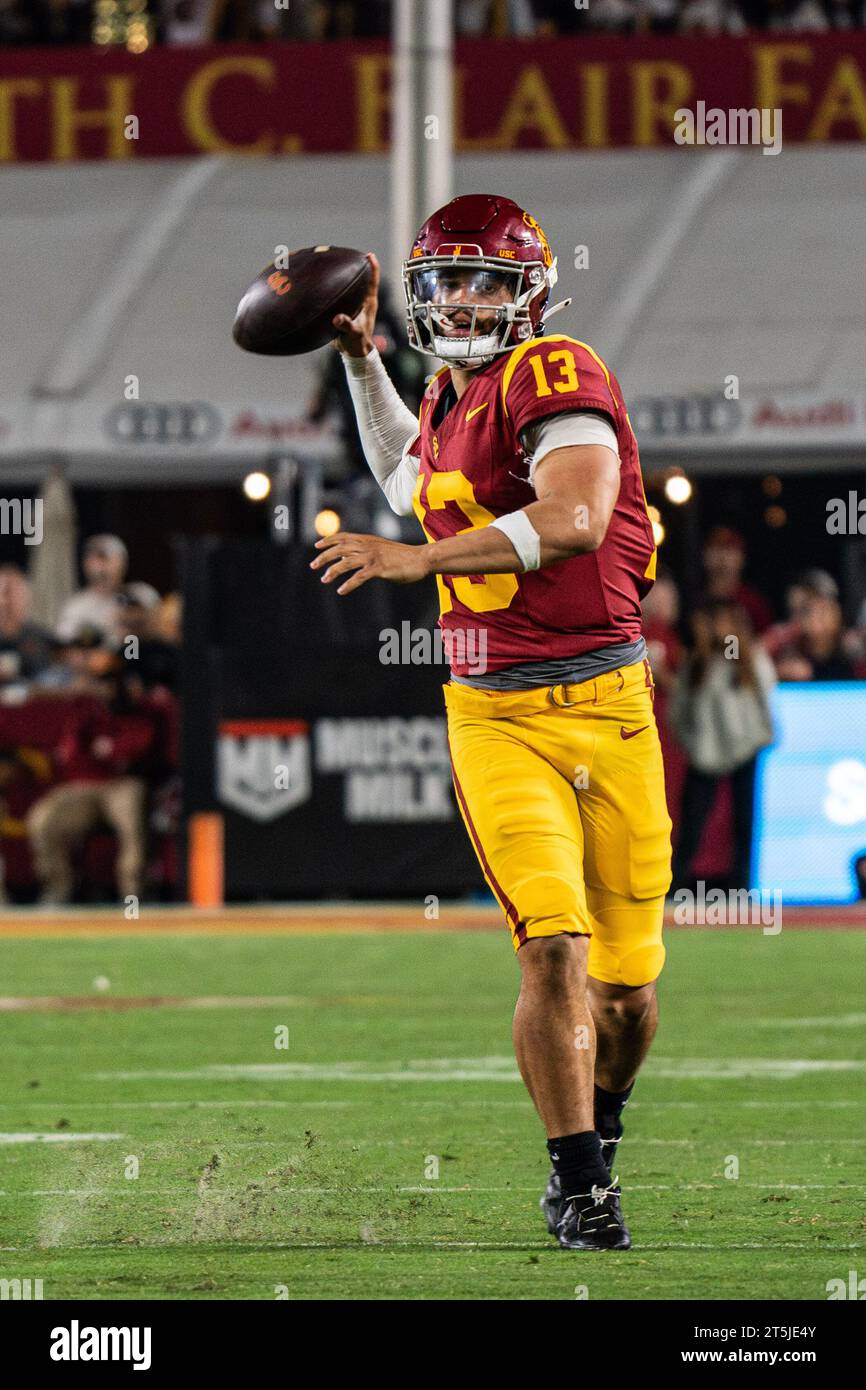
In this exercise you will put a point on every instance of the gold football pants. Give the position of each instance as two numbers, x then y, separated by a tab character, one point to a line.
562	792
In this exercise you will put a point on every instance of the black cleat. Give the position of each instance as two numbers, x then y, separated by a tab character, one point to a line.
593	1221
552	1203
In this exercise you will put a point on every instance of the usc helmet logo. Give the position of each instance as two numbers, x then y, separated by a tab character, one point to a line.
546	254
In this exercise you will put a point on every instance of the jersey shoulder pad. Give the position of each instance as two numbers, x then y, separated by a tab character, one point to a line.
556	373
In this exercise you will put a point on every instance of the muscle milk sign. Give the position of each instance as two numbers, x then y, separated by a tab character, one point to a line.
394	769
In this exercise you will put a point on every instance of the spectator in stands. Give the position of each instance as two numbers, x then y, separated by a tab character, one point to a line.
169	620
710	17
785	16
845	14
151	660
719	713
816	651
553	17
358	19
95	606
77	666
184	22
102	759
17	23
307	21
25	647
46	21
724	562
785	636
661	614
495	18
659	16
855	637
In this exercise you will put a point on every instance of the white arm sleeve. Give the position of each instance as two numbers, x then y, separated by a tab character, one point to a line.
562	431
387	428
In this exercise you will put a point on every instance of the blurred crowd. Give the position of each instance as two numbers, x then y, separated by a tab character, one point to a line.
206	21
89	734
716	657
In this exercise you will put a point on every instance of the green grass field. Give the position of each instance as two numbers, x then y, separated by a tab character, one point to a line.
309	1172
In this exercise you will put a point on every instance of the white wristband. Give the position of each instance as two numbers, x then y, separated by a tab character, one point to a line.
523	536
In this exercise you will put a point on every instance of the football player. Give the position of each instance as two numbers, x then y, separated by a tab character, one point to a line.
523	471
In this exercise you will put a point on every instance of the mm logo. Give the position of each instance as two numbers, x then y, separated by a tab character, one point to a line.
20	1289
263	766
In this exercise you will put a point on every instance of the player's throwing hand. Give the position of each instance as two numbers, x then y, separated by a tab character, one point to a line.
370	557
355	336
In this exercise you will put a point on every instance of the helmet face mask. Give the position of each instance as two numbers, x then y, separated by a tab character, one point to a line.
477	281
462	313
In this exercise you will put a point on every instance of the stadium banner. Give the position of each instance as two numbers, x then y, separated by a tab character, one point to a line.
587	93
130	437
317	728
755	420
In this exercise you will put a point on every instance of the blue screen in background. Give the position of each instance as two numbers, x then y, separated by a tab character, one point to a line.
810	795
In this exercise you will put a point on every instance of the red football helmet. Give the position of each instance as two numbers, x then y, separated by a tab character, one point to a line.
477	280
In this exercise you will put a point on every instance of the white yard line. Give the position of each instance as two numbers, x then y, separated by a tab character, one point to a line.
830	1021
227	1190
431	1246
60	1136
59	1003
196	1104
499	1069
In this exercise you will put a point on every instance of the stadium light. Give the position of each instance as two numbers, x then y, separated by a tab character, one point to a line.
678	489
655	517
327	522
256	486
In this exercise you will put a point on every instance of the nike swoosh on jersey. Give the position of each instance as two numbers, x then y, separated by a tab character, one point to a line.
630	733
477	408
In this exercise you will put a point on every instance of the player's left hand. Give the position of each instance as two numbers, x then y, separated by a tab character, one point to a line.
371	557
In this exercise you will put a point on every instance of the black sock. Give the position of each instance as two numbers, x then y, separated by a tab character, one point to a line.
609	1106
578	1163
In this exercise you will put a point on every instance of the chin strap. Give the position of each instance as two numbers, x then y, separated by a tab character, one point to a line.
549	313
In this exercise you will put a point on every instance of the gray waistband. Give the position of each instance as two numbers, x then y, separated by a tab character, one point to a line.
567	670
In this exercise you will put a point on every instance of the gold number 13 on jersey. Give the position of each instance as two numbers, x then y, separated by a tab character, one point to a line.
482	593
565	378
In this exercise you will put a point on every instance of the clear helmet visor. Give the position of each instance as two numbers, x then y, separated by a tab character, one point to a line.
451	286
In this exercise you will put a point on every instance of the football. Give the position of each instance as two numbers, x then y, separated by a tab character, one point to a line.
289	310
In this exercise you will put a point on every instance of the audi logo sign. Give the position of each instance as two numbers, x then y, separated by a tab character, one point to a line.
701	414
164	422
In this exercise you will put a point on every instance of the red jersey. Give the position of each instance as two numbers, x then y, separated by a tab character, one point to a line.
473	469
